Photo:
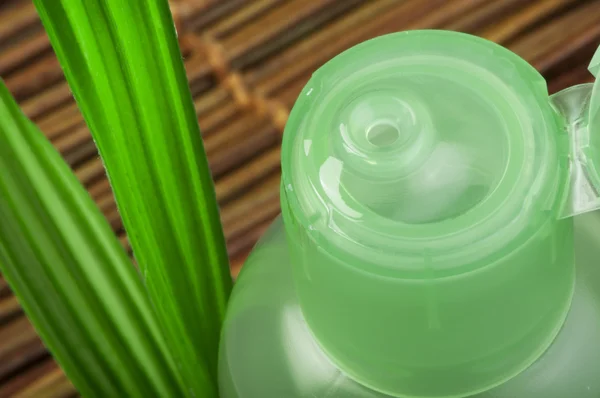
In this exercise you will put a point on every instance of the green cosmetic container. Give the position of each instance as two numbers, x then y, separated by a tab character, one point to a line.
438	235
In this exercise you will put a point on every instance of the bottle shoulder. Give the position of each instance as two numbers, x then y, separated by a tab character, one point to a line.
267	349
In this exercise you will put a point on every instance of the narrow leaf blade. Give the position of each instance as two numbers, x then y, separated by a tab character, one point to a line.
124	66
70	273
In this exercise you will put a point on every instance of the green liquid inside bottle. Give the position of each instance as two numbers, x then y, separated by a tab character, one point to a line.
426	248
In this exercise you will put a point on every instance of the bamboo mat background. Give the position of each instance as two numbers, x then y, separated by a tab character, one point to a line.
246	63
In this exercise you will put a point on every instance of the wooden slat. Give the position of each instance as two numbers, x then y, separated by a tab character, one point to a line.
18	55
46	100
484	15
238	181
53	384
4	290
34	77
15	335
200	14
9	308
556	36
17	361
570	78
44	379
280	27
16	19
254	206
238	249
504	30
241	17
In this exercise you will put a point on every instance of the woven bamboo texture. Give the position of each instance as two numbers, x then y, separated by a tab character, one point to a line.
246	62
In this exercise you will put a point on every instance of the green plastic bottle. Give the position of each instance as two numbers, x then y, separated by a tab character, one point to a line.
438	237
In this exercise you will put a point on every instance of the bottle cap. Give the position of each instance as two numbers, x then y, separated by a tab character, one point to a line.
427	180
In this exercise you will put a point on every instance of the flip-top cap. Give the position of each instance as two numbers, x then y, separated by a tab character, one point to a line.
426	179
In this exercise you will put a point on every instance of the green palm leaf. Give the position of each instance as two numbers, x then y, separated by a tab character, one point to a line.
70	273
124	66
